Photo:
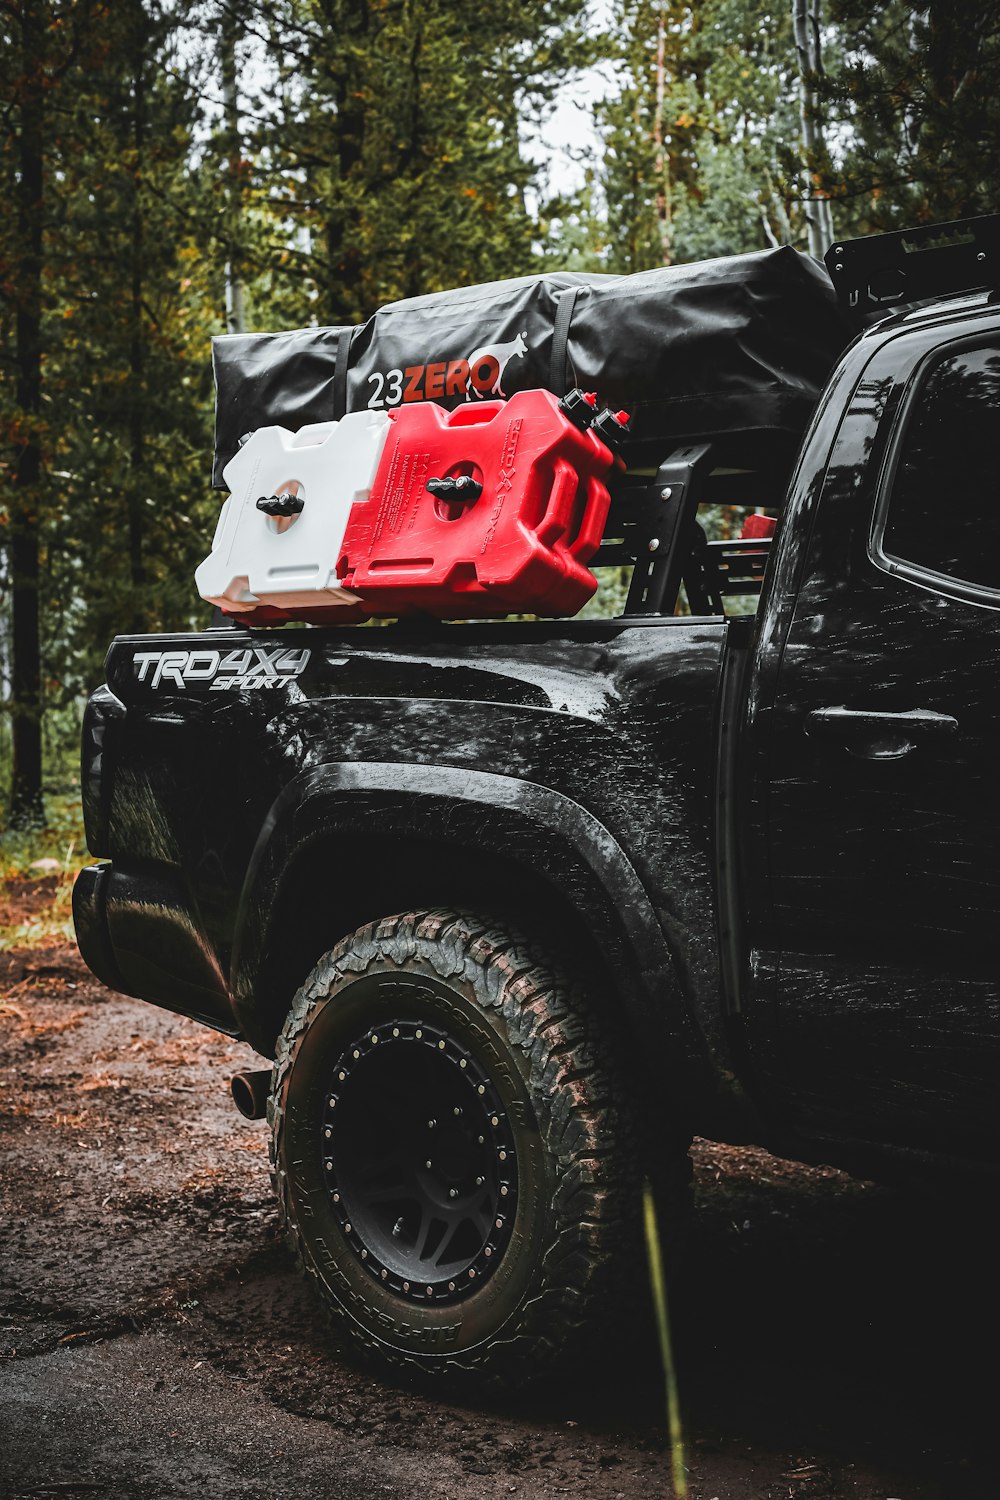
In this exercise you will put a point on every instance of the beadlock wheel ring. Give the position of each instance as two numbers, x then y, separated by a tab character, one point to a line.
419	1161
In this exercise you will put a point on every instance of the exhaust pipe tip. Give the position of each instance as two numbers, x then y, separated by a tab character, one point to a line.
250	1091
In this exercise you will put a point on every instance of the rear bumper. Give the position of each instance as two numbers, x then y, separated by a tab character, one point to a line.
138	934
91	923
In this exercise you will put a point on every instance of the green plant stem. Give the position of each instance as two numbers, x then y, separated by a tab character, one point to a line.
659	1285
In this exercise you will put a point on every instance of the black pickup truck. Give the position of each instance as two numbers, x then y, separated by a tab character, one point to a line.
516	908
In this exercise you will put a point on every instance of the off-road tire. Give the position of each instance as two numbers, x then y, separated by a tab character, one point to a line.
571	1261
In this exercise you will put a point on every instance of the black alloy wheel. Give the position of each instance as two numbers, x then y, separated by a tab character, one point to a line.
420	1161
457	1166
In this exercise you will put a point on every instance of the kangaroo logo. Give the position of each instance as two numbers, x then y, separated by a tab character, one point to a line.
487	366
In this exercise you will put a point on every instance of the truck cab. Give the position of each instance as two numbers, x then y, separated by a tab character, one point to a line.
868	752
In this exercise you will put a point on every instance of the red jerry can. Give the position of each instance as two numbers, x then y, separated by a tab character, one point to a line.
492	509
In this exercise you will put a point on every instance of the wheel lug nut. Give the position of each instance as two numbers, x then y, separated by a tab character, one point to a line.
456	1112
482	1140
431	1124
453	1192
503	1156
428	1165
430	1291
480	1181
451	1286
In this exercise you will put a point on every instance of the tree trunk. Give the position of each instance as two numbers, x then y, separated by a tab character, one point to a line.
26	808
340	299
235	299
137	351
805	26
664	206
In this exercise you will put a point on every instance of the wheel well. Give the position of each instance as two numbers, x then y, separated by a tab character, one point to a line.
322	899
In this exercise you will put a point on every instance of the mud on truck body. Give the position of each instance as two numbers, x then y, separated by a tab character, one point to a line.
518	907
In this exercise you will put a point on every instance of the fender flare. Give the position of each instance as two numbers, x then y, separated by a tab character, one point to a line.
539	827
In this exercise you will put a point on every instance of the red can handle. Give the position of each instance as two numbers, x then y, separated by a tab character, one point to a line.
562	499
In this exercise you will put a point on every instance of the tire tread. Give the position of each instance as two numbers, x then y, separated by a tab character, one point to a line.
580	1091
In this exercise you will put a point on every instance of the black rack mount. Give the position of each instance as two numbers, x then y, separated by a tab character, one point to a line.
877	275
653	527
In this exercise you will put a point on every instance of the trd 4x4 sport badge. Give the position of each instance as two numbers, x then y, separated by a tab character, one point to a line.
251	667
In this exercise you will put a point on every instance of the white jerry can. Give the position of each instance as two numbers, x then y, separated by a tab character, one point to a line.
286	554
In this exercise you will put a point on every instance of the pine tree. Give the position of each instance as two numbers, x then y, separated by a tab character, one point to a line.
918	100
648	162
701	153
135	316
106	389
41	48
750	156
397	154
809	53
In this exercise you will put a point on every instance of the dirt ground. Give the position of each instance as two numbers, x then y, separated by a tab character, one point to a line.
836	1340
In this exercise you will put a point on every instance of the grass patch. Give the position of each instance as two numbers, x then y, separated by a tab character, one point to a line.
37	871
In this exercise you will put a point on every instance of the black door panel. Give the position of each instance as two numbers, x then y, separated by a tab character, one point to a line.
883	768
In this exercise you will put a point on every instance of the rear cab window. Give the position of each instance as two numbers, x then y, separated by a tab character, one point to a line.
939	519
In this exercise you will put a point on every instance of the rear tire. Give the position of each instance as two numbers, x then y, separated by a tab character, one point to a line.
456	1163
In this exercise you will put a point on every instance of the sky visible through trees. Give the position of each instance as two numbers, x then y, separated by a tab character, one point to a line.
176	167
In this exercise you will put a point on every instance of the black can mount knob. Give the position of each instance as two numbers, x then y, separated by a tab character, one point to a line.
579	406
280	505
461	487
611	426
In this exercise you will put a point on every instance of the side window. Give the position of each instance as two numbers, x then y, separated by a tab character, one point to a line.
944	509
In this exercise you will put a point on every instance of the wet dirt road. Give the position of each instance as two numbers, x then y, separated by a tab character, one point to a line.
837	1340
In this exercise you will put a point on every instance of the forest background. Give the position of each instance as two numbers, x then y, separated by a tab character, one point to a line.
173	169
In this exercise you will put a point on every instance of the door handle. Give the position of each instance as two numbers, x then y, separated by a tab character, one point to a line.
879	734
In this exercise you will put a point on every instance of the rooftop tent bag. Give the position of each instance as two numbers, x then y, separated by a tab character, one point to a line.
271	379
735	349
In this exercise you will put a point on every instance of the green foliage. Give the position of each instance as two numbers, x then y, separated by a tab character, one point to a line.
60	841
917	102
744	195
128	379
42	865
700	155
119	507
397	157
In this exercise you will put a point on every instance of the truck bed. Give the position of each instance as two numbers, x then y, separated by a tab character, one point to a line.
257	796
